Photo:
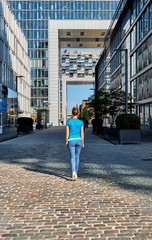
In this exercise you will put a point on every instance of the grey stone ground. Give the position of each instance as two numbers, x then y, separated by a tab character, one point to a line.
112	198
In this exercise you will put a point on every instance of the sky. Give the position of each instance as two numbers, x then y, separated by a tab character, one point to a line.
77	93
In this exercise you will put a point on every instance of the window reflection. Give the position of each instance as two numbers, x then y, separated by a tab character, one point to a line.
8	108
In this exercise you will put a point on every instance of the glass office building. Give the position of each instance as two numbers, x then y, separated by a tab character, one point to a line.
131	30
33	18
14	73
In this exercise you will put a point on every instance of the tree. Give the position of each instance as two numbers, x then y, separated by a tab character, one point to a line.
86	114
99	105
117	104
40	113
109	104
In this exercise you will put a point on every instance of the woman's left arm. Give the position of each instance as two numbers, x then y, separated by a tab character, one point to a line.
67	135
82	136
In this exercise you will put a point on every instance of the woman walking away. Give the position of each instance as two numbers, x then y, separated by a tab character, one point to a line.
74	140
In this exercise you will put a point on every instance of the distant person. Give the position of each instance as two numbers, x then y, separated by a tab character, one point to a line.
86	123
93	125
75	140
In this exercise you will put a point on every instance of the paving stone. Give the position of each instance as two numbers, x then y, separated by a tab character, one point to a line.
112	198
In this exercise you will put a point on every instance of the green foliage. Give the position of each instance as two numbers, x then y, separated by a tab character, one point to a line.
99	104
40	113
110	103
128	121
85	114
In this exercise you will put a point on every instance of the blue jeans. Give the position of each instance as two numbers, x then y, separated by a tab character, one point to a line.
75	149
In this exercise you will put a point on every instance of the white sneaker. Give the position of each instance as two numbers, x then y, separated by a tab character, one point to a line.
74	176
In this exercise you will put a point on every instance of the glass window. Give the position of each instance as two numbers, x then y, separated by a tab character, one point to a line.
79	5
18	5
150	84
82	5
35	83
108	5
12	5
145	55
75	5
134	90
30	44
147	122
28	4
33	73
52	5
46	5
133	11
104	5
145	22
150	49
140	59
140	87
24	15
139	6
94	5
141	115
31	24
90	5
86	5
36	5
108	14
133	65
34	24
145	81
34	15
150	16
133	38
150	120
75	15
139	30
104	15
101	5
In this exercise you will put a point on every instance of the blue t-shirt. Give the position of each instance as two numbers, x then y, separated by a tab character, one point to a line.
74	125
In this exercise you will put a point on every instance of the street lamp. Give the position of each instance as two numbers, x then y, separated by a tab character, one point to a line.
126	75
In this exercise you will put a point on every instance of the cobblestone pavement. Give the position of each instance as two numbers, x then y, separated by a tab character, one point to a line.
112	198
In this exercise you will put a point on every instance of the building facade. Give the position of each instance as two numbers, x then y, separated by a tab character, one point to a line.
69	33
128	50
14	73
33	18
75	64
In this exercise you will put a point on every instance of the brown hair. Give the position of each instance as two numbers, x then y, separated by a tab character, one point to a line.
75	111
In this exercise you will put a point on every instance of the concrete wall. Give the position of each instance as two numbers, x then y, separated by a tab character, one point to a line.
56	26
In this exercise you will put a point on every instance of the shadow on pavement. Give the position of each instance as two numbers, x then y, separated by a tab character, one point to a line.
55	160
49	172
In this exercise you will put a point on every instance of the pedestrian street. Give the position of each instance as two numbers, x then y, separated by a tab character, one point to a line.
111	199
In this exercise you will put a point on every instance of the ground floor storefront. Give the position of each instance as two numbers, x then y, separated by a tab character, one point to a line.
144	111
8	113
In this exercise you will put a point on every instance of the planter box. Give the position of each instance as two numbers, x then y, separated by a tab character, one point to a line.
113	132
129	136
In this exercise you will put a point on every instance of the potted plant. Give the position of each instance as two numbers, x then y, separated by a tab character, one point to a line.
129	128
25	124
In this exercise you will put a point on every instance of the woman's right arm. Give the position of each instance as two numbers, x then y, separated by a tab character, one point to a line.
82	136
67	135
